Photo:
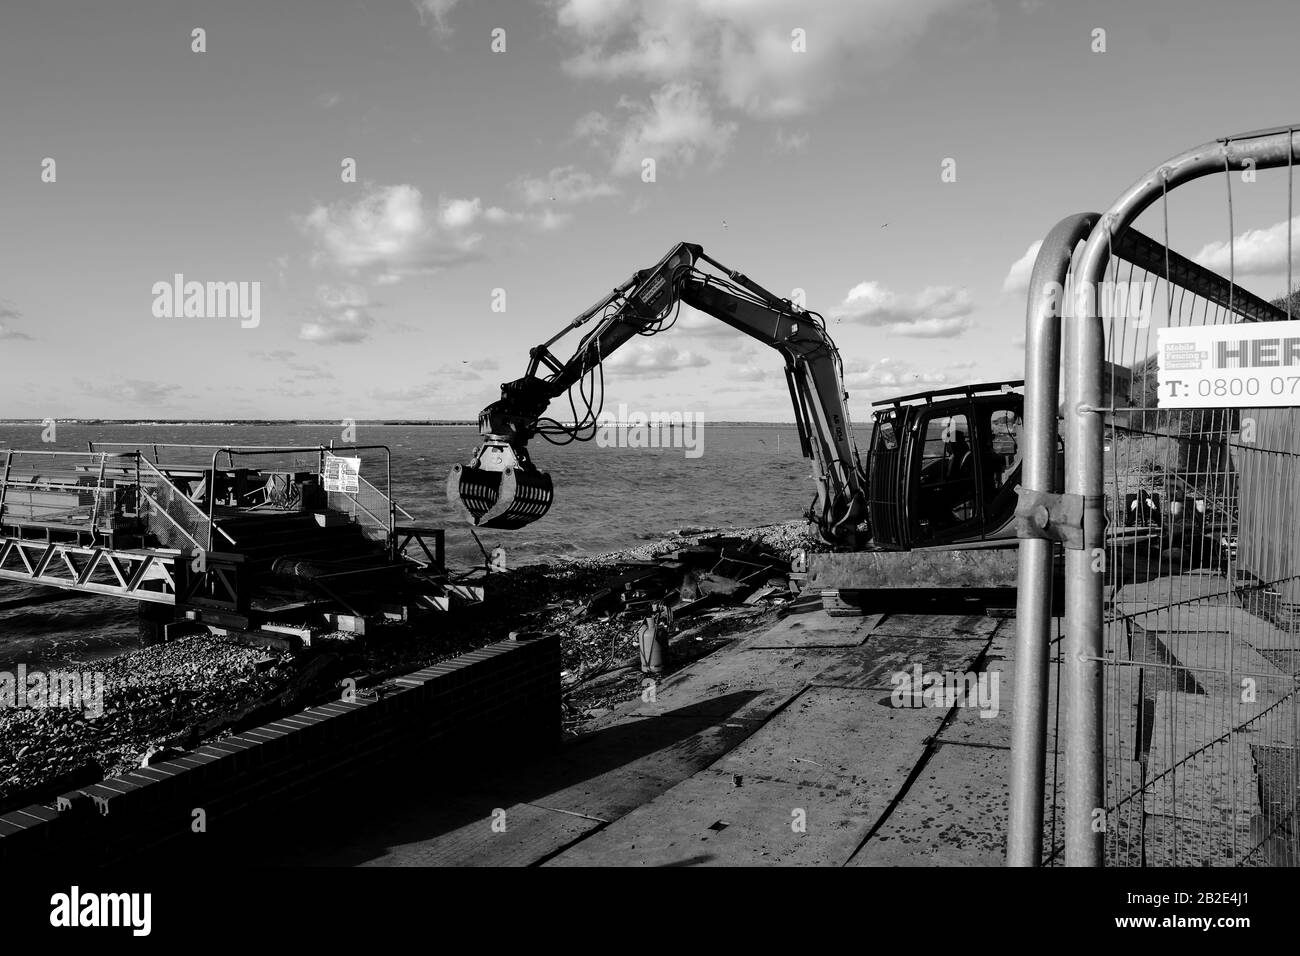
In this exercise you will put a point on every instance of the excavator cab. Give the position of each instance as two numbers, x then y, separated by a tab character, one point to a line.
943	470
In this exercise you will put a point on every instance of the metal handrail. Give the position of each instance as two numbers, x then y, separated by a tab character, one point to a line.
212	526
1034	584
231	450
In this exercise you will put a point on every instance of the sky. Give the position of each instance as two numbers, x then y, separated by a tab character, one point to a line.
500	150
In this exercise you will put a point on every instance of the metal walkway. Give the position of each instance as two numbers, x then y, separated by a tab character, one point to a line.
219	532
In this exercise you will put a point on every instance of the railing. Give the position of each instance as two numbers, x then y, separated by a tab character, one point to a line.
369	507
93	490
72	491
172	518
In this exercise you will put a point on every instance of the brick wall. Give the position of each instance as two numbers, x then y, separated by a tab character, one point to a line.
508	691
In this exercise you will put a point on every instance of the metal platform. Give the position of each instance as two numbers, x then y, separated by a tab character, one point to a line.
224	534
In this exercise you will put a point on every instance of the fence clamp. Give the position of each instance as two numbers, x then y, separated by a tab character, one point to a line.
1059	517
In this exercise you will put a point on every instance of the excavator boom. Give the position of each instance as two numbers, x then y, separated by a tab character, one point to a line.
500	487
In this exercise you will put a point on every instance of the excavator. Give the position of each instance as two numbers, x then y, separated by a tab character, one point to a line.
935	504
942	468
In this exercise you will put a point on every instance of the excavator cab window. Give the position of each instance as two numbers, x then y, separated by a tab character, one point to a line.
1002	451
967	466
948	489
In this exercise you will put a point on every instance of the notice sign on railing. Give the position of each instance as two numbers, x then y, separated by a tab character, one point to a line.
1249	365
342	474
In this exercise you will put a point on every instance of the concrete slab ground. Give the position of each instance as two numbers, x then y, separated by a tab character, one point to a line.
783	748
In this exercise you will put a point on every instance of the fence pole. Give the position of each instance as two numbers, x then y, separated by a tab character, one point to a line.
1034	591
1085	567
4	479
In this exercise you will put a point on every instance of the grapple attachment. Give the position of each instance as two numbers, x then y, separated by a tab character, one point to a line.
499	489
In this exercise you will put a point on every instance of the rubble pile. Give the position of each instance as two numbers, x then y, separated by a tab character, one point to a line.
196	689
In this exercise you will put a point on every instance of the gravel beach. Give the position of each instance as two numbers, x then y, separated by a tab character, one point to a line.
196	689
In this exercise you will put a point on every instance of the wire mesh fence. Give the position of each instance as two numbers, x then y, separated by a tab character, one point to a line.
171	518
1181	645
1199	646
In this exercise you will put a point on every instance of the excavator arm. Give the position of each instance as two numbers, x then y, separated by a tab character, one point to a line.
500	487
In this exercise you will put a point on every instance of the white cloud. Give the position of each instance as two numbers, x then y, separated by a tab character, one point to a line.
795	142
341	316
676	127
894	376
434	13
459	213
545	221
591	127
638	359
750	373
1017	279
388	232
931	313
701	325
744	52
1255	252
563	184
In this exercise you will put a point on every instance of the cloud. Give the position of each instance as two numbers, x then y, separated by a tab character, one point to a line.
701	325
795	142
341	316
327	101
642	359
438	390
275	355
389	232
933	312
744	54
8	312
893	376
1017	279
592	127
434	13
677	127
132	390
545	221
1254	252
750	373
484	364
563	184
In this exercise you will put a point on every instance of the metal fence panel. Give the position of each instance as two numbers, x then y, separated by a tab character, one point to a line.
1181	636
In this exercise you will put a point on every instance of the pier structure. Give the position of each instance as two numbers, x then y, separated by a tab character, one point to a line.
226	536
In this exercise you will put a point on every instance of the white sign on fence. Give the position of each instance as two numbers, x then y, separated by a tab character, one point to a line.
342	474
1248	365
